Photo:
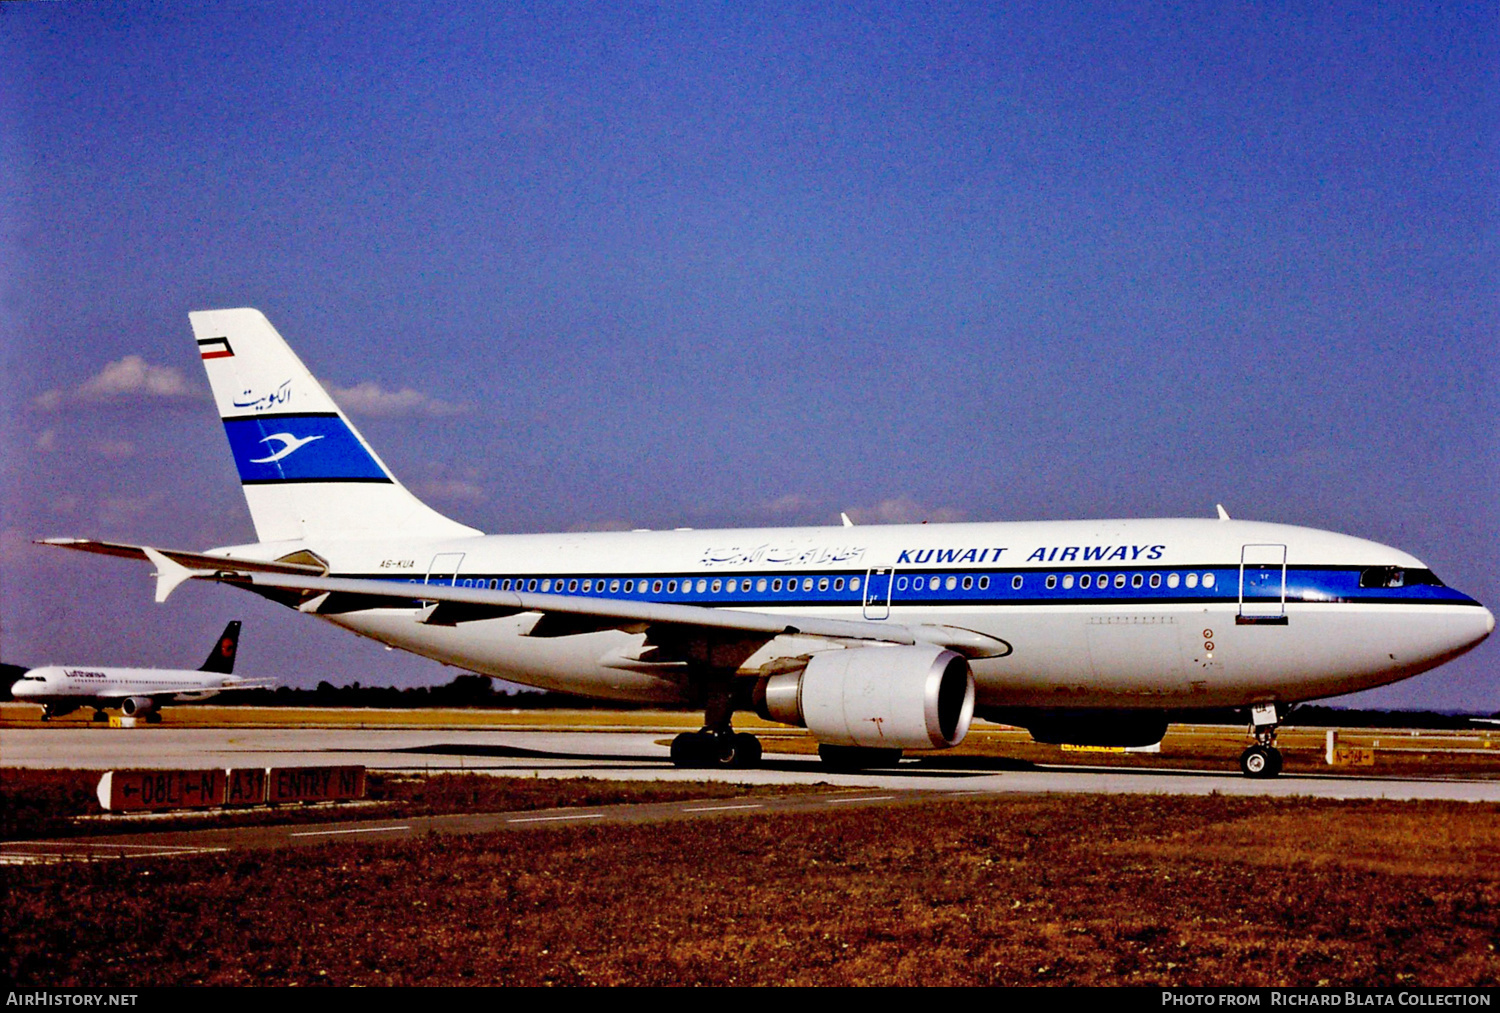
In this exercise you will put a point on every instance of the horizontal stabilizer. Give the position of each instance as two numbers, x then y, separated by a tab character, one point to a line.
191	560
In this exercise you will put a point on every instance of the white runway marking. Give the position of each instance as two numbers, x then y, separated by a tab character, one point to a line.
872	798
545	819
721	808
361	830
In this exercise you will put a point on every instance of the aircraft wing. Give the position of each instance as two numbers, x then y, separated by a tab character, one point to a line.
565	615
561	615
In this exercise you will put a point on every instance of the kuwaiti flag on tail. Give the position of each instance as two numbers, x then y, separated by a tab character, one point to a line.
215	348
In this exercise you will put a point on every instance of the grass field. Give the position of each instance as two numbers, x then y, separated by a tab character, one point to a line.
1040	889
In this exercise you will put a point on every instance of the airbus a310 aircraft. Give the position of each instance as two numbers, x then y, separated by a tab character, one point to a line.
138	692
876	639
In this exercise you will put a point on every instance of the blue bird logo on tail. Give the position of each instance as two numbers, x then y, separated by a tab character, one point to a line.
290	445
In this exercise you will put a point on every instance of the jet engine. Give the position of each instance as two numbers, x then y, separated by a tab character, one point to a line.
875	697
137	706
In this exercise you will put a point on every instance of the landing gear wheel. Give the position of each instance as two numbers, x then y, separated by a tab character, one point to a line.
153	718
715	749
746	750
687	750
99	716
1261	761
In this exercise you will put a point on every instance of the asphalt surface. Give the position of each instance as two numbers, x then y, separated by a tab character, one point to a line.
639	755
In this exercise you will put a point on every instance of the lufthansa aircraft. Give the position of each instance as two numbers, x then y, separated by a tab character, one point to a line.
875	639
61	689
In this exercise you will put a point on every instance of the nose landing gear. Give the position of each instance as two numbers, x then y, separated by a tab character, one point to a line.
1262	759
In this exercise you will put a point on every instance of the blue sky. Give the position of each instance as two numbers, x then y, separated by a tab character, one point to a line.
594	266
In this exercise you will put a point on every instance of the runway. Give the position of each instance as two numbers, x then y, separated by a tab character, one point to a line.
640	755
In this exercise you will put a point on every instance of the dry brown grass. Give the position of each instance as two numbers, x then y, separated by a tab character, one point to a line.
1077	890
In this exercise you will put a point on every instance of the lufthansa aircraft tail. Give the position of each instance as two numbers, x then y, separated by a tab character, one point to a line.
221	658
306	471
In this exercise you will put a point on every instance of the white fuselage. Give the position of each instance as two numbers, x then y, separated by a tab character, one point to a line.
1191	613
106	686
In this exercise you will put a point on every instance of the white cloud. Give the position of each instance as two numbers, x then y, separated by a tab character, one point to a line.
48	400
369	398
904	510
46	441
451	489
791	503
133	375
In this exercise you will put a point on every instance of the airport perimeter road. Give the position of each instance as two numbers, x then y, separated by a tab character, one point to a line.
629	755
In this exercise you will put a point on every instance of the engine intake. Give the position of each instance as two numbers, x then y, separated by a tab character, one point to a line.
133	706
878	697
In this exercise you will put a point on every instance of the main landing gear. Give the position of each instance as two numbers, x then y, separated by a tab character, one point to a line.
1262	759
711	747
716	744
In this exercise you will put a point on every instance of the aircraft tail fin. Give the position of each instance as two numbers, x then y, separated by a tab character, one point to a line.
307	473
221	658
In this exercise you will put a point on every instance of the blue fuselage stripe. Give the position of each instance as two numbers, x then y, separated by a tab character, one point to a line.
1212	584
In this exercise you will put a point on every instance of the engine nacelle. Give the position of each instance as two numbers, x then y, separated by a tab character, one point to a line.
876	697
135	706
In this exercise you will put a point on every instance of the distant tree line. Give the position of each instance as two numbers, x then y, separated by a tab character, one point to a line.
470	690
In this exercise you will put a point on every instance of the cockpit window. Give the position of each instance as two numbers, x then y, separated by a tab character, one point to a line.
1396	576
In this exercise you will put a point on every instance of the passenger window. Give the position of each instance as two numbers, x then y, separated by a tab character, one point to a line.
614	586
822	583
629	586
984	583
1208	580
854	583
656	587
1156	580
1171	580
951	583
1083	581
968	583
730	587
531	584
807	583
1067	580
900	583
547	584
932	585
1136	580
1119	580
776	584
572	585
838	583
702	586
716	586
1016	582
671	587
1192	580
760	585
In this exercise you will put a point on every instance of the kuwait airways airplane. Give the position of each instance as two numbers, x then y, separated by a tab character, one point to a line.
61	689
877	639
